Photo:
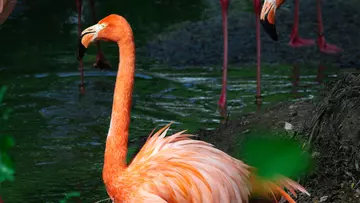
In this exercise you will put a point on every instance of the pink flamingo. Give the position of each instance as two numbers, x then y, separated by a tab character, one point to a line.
267	19
101	62
224	9
6	8
171	168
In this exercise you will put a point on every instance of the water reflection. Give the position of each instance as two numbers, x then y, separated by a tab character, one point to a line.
295	78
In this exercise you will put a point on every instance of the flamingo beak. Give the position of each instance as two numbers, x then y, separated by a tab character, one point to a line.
87	37
267	19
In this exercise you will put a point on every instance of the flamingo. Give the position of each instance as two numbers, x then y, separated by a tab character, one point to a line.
267	18
6	8
175	168
2	4
101	62
224	10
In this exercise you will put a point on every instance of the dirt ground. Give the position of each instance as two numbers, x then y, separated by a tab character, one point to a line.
334	124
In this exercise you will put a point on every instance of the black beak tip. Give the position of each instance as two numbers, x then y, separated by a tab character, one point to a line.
270	29
80	51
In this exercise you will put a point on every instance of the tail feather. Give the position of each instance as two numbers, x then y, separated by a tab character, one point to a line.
275	188
274	161
286	196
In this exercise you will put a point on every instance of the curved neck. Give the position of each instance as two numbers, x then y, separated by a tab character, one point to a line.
117	140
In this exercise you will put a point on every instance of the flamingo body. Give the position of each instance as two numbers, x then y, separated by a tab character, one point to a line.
6	8
179	169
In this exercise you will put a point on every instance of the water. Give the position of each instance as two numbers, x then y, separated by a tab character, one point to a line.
60	134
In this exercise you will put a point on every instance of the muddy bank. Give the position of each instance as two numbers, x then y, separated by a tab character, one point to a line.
332	123
200	43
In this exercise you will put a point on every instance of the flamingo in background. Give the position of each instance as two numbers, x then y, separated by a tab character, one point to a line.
2	5
267	18
101	62
268	21
6	8
175	168
224	10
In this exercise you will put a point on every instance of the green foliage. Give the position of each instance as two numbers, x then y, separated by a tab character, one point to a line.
69	196
275	155
6	142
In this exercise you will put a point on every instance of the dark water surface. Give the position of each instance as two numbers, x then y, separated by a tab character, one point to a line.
60	135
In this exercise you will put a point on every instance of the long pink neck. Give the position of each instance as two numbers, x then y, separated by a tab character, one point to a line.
117	140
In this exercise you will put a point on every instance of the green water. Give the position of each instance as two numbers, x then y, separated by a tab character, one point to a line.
60	134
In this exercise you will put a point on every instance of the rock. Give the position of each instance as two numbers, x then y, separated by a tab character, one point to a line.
323	198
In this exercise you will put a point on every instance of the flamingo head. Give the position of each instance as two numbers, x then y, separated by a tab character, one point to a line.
110	28
267	17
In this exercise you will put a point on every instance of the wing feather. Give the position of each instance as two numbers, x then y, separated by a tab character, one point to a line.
177	168
180	169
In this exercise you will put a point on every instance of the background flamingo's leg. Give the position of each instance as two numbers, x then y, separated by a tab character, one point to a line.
295	40
79	6
323	45
101	61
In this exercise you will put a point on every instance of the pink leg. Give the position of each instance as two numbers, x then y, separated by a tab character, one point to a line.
295	40
101	62
323	46
79	5
222	100
257	8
